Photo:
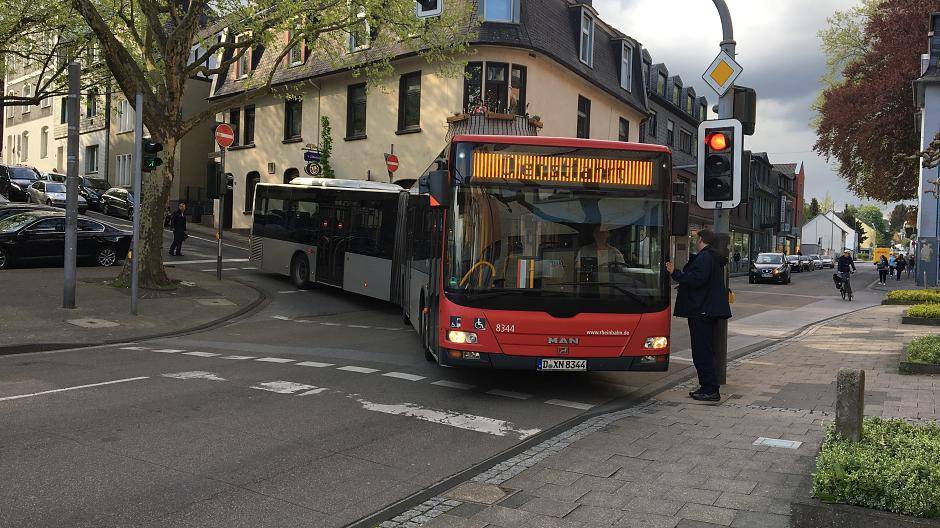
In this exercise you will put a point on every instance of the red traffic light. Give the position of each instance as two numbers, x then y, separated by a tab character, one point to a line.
717	141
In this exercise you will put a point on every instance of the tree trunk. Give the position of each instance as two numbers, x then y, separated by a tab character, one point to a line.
154	198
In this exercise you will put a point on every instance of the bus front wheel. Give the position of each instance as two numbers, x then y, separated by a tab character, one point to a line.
424	325
300	272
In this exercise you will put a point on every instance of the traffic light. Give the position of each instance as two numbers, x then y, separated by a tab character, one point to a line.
150	162
229	182
718	181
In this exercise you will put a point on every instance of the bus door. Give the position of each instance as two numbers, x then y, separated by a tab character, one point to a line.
332	243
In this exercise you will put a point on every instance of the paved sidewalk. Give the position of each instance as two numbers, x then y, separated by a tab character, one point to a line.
37	321
674	463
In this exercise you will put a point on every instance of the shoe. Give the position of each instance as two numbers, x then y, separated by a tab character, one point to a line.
701	396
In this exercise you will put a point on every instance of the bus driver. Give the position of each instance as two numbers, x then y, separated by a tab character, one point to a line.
593	261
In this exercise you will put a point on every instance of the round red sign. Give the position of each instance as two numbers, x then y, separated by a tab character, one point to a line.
391	161
224	135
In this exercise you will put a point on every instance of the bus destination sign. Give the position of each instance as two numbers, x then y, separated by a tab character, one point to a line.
562	169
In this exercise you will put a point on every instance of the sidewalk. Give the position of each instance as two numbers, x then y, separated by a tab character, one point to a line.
33	317
671	462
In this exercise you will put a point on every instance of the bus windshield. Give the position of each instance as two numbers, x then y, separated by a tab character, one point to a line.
562	247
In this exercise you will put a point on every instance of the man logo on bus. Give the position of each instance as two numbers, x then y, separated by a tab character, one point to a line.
564	340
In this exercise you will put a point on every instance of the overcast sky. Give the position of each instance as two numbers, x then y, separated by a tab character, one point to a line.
776	45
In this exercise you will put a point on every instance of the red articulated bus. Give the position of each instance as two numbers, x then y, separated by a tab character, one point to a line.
539	253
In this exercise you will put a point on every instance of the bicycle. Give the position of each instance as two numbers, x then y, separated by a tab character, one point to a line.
843	284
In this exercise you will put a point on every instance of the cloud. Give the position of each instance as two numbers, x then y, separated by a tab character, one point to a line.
778	47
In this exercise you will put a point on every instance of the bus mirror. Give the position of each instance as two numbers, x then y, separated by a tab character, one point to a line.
680	219
438	184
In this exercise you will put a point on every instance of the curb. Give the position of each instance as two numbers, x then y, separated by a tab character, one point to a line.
640	397
261	300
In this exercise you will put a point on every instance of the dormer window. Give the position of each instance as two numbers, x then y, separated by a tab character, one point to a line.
690	104
428	8
587	38
676	88
243	66
360	33
295	56
703	112
500	10
626	67
661	84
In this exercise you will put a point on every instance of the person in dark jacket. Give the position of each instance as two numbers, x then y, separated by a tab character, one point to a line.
900	265
703	299
178	223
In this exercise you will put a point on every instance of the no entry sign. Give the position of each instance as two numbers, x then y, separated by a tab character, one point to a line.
391	161
224	135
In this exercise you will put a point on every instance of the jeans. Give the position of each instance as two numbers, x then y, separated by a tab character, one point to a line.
882	275
177	246
702	331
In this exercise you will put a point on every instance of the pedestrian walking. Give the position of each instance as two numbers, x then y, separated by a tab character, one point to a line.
900	265
911	266
178	223
703	300
882	266
892	261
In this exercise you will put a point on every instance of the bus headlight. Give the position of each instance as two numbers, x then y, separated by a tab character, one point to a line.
459	337
656	343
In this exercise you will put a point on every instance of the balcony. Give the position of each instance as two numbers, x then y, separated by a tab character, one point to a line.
492	123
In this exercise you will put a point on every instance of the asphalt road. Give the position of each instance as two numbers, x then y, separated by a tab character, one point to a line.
315	411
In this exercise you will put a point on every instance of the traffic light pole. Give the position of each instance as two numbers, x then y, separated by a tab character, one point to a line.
218	261
722	216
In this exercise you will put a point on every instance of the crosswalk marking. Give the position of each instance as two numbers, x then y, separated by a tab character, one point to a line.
452	384
283	387
404	376
275	360
361	370
570	404
201	354
237	357
168	350
509	394
314	364
134	348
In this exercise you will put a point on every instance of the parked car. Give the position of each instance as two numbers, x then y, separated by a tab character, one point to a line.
796	265
827	261
40	236
117	201
15	180
10	209
52	193
89	188
770	267
817	262
806	263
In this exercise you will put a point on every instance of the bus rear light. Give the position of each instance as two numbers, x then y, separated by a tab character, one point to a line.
459	337
656	343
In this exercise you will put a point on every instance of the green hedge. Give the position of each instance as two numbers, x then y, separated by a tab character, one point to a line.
926	296
925	349
896	467
926	311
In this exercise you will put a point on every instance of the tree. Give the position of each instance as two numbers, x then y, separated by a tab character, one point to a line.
155	47
872	215
848	215
864	120
813	209
326	147
827	204
897	218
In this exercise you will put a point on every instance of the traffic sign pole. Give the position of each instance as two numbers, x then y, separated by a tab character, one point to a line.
225	138
138	150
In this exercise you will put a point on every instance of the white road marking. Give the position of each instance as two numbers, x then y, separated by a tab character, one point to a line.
314	364
469	422
452	384
237	357
249	269
314	391
205	261
509	394
275	360
289	291
404	376
168	350
195	374
680	358
125	380
331	324
361	370
280	317
283	387
134	348
201	354
389	328
357	326
571	404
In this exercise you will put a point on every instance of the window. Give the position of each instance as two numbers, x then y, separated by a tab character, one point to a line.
11	110
587	39
623	132
123	168
125	116
584	117
500	10
676	88
626	67
685	141
293	112
428	8
45	102
409	101
64	111
646	76
295	56
473	85
24	146
91	103
670	133
249	125
360	31
44	142
27	92
242	66
91	159
290	174
252	179
703	112
661	84
496	89
652	125
517	104
90	226
234	119
356	110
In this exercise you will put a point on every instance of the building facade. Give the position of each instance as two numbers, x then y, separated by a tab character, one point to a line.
554	61
927	103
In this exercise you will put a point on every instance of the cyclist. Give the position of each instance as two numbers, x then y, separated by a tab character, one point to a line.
846	267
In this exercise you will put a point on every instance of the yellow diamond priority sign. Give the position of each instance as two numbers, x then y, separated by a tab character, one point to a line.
722	73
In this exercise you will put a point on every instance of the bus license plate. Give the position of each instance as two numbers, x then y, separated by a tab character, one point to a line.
562	364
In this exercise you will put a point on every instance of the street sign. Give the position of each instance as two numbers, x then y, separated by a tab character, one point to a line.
313	169
391	161
722	73
224	135
312	156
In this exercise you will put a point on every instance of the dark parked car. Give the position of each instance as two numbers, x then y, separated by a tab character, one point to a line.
15	180
90	189
40	236
52	193
117	201
10	209
796	265
771	267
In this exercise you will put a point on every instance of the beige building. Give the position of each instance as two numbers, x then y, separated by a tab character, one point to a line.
28	128
579	78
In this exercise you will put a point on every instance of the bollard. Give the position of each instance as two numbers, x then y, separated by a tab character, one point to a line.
850	403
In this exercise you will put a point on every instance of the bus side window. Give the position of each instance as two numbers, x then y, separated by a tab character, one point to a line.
257	225
364	238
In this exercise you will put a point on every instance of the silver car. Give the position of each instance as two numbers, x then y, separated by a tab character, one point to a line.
52	193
